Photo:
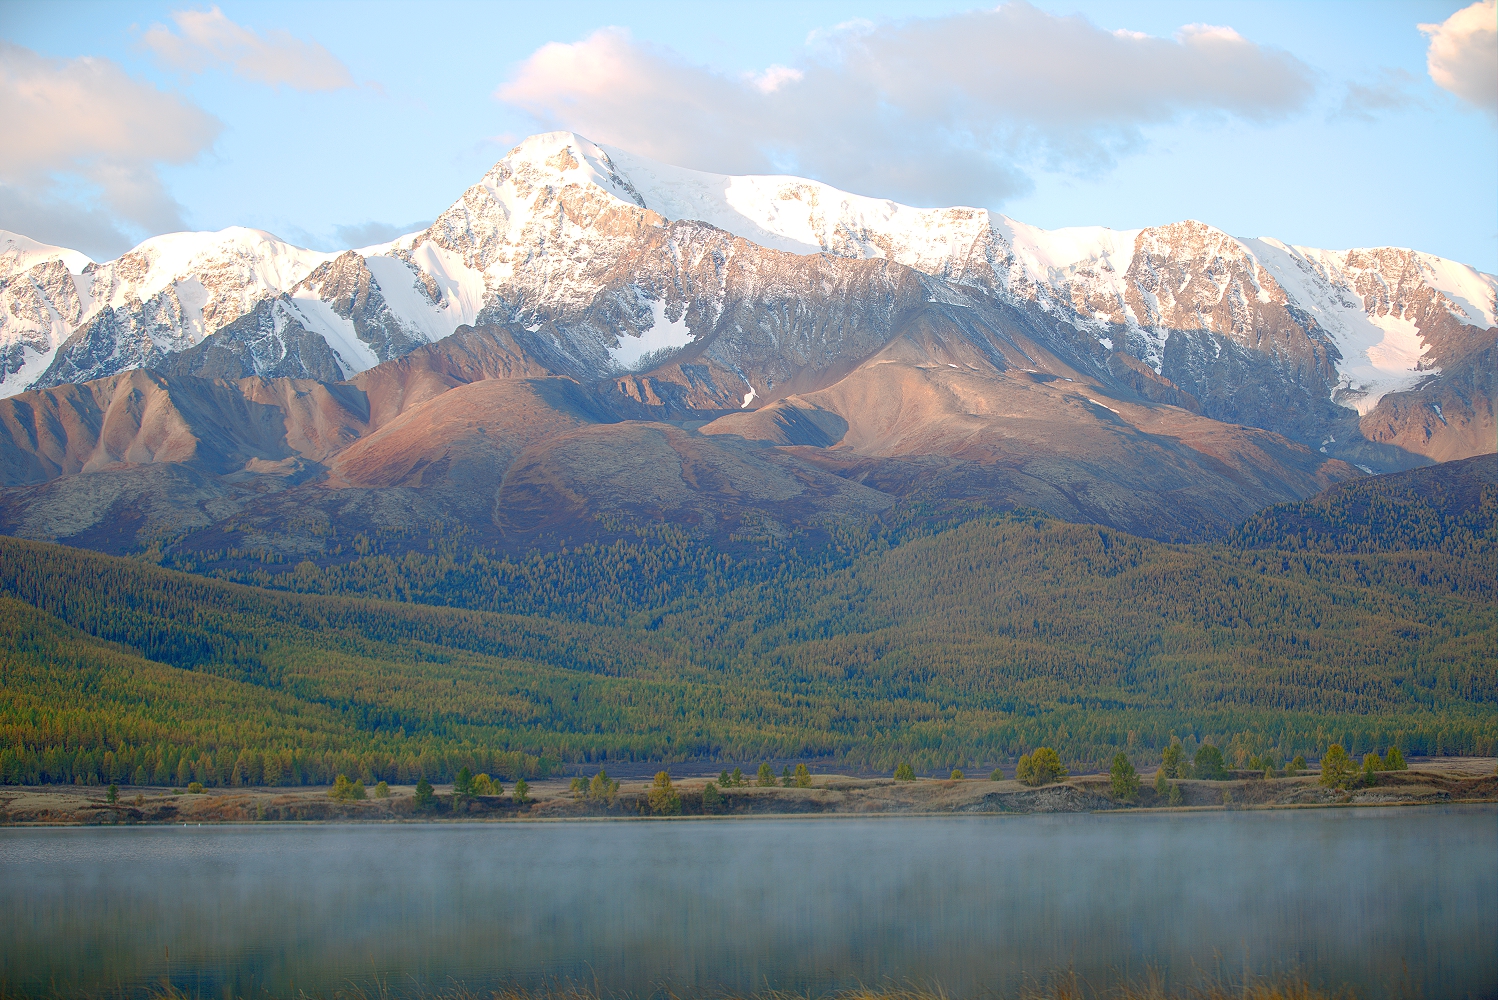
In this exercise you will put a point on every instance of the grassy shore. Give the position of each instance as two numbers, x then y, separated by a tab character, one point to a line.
1437	781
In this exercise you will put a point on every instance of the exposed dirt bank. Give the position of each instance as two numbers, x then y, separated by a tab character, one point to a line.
1429	782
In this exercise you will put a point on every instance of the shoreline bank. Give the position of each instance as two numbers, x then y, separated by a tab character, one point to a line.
1441	782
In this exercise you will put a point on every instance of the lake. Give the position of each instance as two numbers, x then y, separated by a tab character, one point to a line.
1378	899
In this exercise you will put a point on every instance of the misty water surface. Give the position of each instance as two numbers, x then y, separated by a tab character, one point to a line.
1370	898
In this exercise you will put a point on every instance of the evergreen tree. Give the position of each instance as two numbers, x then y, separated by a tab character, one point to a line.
1040	767
1209	764
1395	760
904	772
1336	767
1122	777
766	776
802	777
345	790
602	788
712	799
1162	787
997	774
522	791
424	797
663	798
738	777
1174	757
382	790
725	780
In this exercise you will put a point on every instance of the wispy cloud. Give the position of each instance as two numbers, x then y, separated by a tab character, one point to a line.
1463	54
1391	91
936	110
84	145
367	234
208	39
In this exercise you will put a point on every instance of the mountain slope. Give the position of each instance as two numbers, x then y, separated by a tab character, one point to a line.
962	647
601	263
1452	508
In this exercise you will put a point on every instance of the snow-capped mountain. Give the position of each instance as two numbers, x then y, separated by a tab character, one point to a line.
735	291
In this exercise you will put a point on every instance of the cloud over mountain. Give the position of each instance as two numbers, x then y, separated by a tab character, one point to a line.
87	123
933	110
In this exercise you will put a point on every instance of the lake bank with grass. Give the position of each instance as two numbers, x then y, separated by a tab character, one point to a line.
1438	781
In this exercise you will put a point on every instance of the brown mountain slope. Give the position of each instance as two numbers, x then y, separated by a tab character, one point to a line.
1021	438
957	400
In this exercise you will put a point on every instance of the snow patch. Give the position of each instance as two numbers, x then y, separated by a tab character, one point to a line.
318	317
663	337
748	398
33	364
1380	354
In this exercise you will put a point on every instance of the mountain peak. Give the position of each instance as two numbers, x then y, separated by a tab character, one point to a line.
22	253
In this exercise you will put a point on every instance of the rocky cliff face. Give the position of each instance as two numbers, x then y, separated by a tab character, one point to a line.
685	291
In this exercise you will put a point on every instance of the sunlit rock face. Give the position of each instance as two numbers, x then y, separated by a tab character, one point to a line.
588	338
700	291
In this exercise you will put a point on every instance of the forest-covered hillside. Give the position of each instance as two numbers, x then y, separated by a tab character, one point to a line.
956	643
1451	508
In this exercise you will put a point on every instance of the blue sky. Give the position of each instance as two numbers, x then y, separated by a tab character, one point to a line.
332	124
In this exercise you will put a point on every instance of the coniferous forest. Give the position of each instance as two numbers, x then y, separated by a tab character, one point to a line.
955	641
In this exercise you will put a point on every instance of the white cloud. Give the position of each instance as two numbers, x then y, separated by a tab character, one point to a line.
934	110
775	77
84	142
206	39
1463	54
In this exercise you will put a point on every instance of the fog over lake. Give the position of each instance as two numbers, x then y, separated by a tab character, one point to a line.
1372	898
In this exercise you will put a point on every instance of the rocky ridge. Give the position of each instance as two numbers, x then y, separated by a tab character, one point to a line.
699	291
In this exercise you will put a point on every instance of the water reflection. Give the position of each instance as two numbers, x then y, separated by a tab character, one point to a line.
1365	897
